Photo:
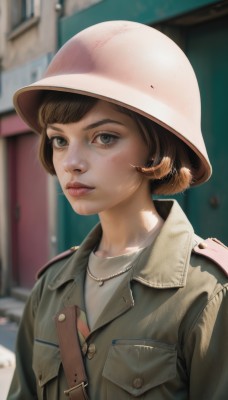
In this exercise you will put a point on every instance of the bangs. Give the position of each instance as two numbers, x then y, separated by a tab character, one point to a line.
64	108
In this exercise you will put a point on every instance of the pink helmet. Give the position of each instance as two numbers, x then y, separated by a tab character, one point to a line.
132	65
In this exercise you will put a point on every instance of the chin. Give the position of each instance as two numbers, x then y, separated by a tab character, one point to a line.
84	211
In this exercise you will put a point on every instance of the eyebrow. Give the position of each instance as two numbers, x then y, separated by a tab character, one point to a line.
54	128
90	126
102	122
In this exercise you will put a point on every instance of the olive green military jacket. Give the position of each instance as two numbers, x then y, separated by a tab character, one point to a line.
162	336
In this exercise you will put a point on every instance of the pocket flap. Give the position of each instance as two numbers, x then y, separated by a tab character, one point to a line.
46	361
137	366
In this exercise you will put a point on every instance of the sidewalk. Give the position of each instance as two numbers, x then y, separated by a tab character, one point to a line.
8	333
11	309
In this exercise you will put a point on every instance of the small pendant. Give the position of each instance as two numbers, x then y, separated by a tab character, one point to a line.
101	283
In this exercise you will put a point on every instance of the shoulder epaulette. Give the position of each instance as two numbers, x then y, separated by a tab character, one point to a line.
60	256
214	250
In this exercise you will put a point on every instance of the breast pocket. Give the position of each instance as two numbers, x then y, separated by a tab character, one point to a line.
134	367
46	365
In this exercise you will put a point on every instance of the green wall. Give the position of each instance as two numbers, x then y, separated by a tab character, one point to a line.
72	228
145	11
207	48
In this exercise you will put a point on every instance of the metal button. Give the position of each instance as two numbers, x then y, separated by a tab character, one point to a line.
137	383
202	245
61	317
91	351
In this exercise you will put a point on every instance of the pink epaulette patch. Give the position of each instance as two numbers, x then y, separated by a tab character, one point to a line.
214	250
60	256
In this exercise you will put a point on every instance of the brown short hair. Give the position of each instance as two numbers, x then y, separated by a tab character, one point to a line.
171	165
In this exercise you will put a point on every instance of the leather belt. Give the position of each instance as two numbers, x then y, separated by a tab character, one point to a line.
70	351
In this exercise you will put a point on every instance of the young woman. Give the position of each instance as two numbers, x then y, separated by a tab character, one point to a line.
139	310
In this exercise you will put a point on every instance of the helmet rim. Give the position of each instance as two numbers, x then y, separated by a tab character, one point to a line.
116	61
29	98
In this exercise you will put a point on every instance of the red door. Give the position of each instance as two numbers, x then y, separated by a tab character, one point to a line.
28	206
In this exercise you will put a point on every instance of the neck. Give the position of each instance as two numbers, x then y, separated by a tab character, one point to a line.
129	229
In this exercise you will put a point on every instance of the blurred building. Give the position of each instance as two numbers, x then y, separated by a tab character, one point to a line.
30	33
28	40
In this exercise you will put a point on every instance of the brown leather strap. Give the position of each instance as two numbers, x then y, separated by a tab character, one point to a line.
70	350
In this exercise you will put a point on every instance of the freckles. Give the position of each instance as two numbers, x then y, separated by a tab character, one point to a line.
118	159
56	162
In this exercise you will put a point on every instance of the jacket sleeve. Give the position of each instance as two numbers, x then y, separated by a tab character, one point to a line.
23	385
206	350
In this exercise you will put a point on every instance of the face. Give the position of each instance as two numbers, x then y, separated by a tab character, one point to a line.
94	160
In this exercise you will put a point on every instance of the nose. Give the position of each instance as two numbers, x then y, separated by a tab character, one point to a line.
75	160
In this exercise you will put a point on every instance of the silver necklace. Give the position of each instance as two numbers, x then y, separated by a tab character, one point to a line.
107	278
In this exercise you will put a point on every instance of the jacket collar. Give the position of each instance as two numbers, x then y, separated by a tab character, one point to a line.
162	265
165	263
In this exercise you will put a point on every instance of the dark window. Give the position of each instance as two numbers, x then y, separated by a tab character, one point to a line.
21	11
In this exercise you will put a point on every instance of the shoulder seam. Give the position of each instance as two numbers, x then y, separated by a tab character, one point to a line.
59	257
215	250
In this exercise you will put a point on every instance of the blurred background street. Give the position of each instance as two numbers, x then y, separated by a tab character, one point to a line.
8	332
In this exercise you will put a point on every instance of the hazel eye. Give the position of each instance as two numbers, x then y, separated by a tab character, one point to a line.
58	142
106	138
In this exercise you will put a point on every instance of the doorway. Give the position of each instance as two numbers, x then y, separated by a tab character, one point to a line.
28	210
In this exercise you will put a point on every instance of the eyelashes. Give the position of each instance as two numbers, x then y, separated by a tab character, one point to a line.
57	142
103	139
